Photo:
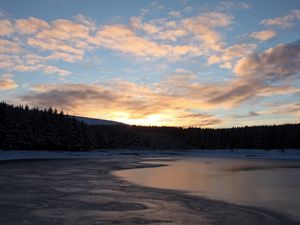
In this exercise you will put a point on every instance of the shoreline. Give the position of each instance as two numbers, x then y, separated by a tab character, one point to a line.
86	190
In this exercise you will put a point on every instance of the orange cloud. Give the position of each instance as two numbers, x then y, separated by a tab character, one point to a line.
284	21
67	57
203	27
29	62
66	40
7	83
263	35
54	45
30	25
172	35
47	69
65	30
6	27
227	56
121	38
9	47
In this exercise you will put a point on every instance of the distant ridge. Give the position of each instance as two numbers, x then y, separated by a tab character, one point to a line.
94	121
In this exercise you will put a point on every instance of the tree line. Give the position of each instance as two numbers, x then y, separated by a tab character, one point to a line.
48	129
36	129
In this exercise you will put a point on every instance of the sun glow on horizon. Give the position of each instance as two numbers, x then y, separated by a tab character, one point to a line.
151	120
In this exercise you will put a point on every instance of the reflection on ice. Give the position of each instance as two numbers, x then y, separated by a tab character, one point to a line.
267	183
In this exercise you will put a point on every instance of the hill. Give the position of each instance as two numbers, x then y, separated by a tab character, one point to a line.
94	121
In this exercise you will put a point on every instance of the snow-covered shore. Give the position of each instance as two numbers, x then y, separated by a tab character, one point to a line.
290	154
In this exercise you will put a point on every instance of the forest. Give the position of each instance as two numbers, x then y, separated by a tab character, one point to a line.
27	128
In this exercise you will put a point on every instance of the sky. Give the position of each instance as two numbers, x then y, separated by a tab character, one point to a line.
164	63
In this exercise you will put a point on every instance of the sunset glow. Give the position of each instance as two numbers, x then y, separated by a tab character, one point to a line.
165	63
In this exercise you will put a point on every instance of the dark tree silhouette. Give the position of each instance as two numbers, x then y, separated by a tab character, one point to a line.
24	128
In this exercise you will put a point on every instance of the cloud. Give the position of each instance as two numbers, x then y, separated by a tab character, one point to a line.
30	25
29	62
6	27
225	5
210	19
65	30
284	21
283	108
230	93
263	35
159	29
172	35
86	21
7	83
8	61
202	120
47	69
58	40
258	75
66	39
204	25
7	46
121	38
250	114
227	56
54	45
275	63
278	90
175	14
150	28
199	30
67	57
136	23
214	95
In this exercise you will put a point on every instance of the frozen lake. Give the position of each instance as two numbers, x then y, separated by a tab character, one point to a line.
273	184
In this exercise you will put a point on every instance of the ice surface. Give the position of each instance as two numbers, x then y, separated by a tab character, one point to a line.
290	154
